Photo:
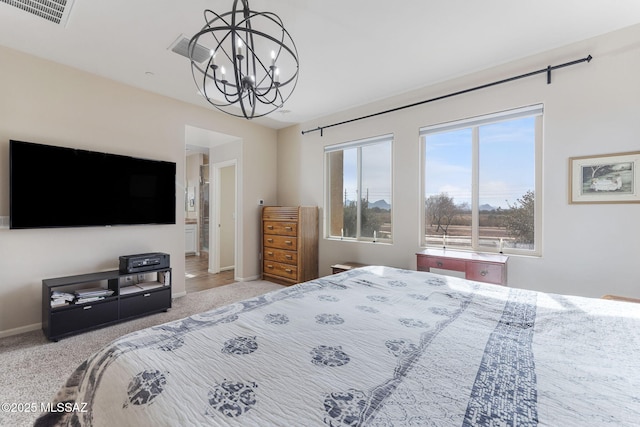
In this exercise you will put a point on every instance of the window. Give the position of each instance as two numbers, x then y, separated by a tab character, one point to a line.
359	189
482	182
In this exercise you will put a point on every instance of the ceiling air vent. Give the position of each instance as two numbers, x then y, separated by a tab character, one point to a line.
56	11
181	47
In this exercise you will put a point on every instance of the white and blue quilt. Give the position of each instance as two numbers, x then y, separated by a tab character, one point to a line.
375	346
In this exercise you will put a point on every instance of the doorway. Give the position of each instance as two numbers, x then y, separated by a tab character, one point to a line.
211	173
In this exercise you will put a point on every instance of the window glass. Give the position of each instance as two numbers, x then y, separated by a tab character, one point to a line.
506	184
359	190
480	178
375	211
350	185
448	188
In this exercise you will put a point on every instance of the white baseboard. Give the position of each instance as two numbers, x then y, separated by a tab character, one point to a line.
20	330
221	270
248	279
179	294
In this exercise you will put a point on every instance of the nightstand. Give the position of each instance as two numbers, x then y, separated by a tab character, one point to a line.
345	266
620	298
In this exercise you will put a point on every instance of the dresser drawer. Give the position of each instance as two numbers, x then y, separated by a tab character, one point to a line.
281	228
281	242
280	213
282	270
485	272
145	302
83	316
279	255
446	264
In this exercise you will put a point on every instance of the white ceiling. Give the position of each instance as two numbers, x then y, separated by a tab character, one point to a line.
351	52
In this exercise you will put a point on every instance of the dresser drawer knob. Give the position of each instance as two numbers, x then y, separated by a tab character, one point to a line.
439	263
288	242
270	240
270	227
288	270
484	273
288	228
146	295
269	266
87	307
270	253
288	257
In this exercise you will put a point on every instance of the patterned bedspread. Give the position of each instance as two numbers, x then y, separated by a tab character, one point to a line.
375	346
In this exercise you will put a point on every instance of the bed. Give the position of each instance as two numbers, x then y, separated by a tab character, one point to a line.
375	346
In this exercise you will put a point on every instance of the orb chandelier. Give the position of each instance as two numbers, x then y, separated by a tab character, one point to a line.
253	64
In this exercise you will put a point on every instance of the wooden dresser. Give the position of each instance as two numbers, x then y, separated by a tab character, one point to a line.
289	244
490	268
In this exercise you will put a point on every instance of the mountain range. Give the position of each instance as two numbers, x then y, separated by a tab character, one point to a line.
382	204
486	207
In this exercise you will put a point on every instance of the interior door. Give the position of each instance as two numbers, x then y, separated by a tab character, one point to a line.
227	220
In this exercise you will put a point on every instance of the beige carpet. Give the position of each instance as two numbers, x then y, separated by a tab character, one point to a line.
32	369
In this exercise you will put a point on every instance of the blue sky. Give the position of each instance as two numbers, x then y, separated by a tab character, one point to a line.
376	167
507	167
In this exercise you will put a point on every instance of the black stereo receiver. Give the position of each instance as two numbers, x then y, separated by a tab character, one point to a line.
143	262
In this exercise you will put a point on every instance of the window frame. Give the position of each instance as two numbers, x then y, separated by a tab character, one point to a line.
474	123
358	144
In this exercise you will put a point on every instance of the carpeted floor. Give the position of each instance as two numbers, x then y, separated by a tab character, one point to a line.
32	369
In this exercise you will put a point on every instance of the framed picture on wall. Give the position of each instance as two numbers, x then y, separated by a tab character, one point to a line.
607	178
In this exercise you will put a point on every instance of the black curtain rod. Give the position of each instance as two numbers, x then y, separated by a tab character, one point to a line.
438	98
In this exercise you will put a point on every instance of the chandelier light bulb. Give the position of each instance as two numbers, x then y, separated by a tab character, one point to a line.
239	48
273	58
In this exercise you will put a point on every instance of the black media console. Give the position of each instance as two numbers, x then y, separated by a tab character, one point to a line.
80	303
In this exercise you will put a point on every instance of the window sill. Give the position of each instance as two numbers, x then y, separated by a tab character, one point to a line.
371	242
531	254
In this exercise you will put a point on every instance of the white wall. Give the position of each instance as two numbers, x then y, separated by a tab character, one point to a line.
589	109
256	179
48	103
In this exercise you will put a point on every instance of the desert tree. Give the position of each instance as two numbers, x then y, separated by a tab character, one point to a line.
519	219
440	210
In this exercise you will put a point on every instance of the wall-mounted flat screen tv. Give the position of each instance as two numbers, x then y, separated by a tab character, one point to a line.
54	186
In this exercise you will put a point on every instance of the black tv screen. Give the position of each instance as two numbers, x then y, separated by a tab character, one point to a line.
64	187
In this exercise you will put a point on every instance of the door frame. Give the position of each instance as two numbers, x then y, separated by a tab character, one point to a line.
214	215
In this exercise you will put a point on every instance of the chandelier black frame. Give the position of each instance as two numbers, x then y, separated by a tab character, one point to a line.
252	82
